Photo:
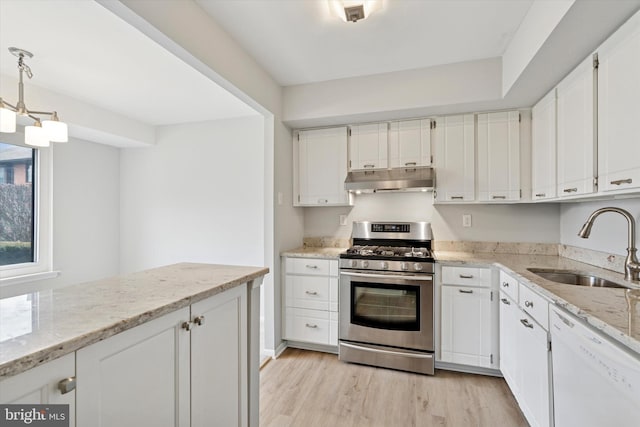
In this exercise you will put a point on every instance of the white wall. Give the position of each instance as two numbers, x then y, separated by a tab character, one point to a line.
198	196
609	232
507	223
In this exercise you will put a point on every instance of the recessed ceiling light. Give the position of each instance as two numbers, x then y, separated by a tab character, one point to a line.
354	10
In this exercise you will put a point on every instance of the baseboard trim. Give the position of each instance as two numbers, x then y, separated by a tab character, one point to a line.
448	366
313	347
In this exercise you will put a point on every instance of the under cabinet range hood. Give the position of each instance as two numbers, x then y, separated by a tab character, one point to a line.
420	179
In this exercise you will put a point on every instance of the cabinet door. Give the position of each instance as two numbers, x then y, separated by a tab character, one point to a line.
533	357
455	159
619	109
509	342
498	156
576	139
139	377
410	143
40	385
368	146
543	148
219	393
467	333
321	167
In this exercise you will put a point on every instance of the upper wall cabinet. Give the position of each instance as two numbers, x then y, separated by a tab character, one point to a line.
455	159
368	146
498	136
320	167
619	109
543	148
410	143
576	137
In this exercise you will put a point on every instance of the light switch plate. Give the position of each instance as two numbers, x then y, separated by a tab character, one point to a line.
343	220
466	220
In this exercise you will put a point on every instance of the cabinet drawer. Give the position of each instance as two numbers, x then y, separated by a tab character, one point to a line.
535	305
466	276
307	325
311	266
509	285
310	292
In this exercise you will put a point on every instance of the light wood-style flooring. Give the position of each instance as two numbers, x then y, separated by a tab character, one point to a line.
305	388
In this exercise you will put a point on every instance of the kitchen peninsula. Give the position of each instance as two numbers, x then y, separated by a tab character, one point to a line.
157	344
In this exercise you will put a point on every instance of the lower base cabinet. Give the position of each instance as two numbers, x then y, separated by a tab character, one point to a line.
42	385
187	368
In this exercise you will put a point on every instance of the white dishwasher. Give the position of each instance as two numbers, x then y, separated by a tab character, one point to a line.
596	383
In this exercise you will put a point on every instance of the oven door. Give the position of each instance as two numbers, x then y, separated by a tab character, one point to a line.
391	309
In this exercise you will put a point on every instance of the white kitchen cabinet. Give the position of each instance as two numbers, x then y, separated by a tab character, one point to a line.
188	367
525	352
455	159
498	139
138	377
368	146
619	109
410	143
320	167
42	385
469	317
576	137
311	301
543	148
467	334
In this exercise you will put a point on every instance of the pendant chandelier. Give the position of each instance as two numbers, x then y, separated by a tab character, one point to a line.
41	132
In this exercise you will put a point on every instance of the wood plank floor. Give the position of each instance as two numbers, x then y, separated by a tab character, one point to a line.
306	388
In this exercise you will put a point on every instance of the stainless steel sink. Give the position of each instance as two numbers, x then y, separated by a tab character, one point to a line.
574	278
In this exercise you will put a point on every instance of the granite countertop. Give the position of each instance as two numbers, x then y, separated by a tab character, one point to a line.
613	311
42	326
312	252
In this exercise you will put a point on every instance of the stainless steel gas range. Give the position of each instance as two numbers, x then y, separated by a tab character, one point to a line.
386	297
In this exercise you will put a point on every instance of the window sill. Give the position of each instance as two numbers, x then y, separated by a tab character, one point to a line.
16	285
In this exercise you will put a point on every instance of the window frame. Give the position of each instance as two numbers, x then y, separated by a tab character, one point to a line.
41	267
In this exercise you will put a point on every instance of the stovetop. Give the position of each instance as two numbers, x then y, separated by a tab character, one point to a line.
391	253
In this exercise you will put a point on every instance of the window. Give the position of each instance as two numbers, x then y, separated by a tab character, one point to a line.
25	210
17	202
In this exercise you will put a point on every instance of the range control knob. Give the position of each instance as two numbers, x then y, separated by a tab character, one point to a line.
384	265
353	263
404	266
417	266
365	264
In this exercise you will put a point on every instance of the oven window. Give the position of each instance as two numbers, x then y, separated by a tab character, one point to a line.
385	306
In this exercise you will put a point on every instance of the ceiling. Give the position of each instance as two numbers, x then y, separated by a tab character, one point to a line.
300	42
84	51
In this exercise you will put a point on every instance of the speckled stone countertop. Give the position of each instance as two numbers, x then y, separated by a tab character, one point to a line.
63	320
614	311
312	252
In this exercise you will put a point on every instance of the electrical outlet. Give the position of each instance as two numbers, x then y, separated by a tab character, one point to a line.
466	220
343	220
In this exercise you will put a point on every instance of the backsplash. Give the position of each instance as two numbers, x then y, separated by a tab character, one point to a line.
325	242
497	247
605	260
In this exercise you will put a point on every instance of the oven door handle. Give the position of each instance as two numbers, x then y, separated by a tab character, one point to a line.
415	355
422	278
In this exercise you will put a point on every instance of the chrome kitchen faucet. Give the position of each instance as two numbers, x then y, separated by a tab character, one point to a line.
631	265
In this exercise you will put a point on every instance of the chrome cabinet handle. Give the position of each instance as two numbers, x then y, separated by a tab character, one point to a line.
622	181
505	301
410	164
369	166
186	326
526	323
311	326
540	194
323	201
462	291
570	190
505	284
457	197
528	304
498	197
199	320
66	385
311	292
311	266
464	276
